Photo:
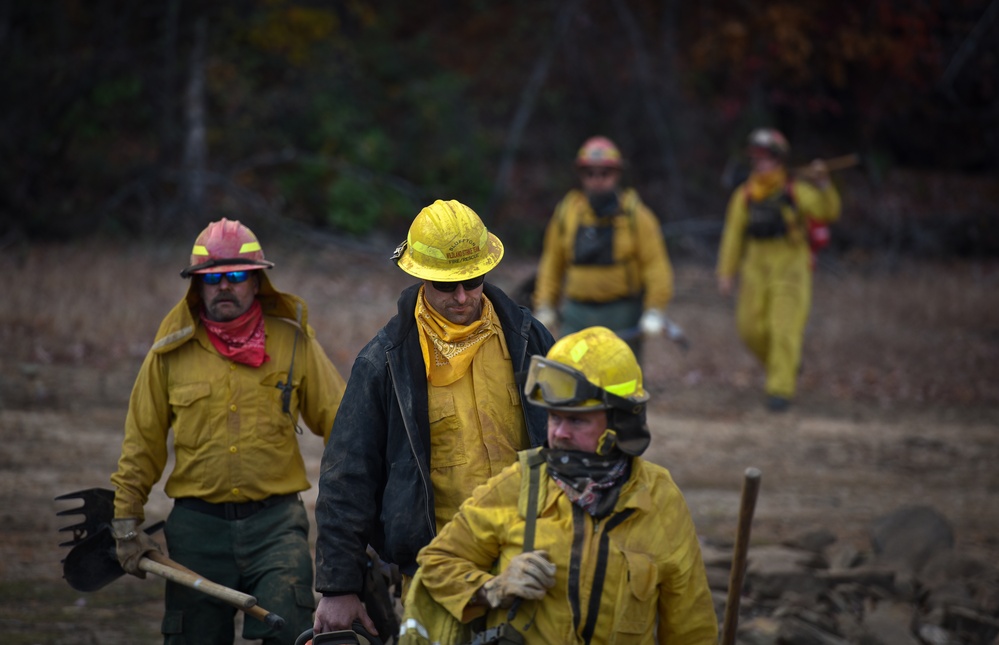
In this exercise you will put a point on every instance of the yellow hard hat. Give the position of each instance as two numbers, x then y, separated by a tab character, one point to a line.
589	370
447	242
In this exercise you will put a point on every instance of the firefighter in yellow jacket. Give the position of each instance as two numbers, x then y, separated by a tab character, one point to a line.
234	364
604	261
581	540
765	241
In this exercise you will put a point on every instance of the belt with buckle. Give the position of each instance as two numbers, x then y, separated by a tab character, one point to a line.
233	510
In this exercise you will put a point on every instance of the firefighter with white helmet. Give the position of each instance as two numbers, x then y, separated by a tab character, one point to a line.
765	241
583	540
233	367
604	260
432	409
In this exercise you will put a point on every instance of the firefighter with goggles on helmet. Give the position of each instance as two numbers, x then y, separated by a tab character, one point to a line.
586	502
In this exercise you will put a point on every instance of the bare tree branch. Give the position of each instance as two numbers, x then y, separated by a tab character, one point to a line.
968	48
528	98
195	159
657	112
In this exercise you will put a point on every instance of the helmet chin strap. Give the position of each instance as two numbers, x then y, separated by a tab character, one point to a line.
607	444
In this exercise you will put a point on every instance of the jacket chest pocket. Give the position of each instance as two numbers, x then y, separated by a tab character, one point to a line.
636	609
447	445
189	403
275	420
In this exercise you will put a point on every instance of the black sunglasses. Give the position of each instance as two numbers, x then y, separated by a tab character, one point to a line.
448	287
233	277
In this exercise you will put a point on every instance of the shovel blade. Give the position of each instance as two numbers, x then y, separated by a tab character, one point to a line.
92	564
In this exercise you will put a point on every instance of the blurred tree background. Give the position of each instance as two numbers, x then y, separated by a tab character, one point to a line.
344	118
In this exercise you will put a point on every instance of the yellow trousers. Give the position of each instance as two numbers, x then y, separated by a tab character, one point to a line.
775	295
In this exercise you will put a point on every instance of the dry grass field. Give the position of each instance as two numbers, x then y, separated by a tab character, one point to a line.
899	403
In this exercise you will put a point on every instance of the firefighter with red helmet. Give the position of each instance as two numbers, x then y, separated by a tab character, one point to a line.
604	260
766	242
233	367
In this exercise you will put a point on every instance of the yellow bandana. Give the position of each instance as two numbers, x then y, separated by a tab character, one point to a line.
448	349
763	184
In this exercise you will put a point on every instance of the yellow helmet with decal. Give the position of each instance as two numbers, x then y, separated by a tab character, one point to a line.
589	370
448	242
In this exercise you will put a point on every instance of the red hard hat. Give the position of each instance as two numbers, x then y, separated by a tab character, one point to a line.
598	151
226	245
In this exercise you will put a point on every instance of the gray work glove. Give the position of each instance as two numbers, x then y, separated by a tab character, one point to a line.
652	323
530	575
547	316
131	544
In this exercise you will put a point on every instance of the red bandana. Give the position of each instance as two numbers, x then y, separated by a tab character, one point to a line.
242	339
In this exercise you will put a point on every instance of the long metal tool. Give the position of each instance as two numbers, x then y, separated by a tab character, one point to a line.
747	506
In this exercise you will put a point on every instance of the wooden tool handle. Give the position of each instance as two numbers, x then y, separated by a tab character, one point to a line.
835	163
159	564
261	614
750	490
175	571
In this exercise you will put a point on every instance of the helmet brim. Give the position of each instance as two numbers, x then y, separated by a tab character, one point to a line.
222	266
492	256
603	163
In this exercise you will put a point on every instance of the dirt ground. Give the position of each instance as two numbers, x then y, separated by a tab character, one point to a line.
899	405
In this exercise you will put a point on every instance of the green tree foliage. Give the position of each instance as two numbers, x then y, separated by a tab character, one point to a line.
351	115
879	69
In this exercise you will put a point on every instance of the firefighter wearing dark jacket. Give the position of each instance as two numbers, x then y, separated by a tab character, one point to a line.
432	409
604	260
765	240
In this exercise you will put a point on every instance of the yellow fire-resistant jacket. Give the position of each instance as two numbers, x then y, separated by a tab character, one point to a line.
809	202
232	440
634	577
641	264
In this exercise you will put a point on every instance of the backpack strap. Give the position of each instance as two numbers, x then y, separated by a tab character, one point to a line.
801	219
530	487
560	214
530	492
532	507
630	206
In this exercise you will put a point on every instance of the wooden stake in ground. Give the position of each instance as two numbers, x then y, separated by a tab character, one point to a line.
747	506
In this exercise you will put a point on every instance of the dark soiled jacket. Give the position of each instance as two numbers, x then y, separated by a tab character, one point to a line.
374	484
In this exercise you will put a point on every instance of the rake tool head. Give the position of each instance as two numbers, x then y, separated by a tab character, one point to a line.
97	511
92	562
